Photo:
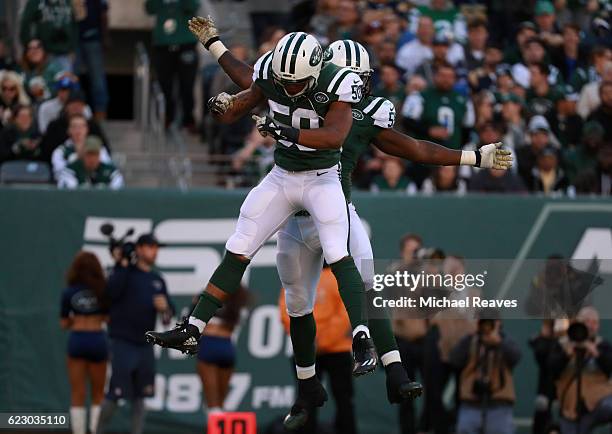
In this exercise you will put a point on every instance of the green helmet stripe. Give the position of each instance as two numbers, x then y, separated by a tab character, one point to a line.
347	49
295	53
286	52
264	65
343	75
357	55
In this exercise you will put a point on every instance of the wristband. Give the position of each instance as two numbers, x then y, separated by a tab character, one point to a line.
292	134
478	159
469	158
216	47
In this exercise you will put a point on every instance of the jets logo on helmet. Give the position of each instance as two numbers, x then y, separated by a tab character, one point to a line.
296	64
350	54
315	57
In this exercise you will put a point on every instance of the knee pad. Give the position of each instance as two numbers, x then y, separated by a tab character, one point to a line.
241	241
298	305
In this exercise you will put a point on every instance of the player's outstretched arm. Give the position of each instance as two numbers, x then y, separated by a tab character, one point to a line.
337	124
205	30
421	151
229	108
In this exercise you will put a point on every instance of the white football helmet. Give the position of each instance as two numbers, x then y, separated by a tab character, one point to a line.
297	58
350	54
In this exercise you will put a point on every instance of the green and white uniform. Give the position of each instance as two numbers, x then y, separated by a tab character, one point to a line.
334	84
302	178
76	175
299	259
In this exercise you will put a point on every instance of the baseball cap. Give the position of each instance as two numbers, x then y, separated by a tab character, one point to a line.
441	39
570	93
510	97
503	69
593	129
547	151
148	239
93	144
527	25
544	8
538	123
65	82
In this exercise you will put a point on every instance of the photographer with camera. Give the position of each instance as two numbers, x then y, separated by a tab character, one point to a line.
484	361
137	295
581	364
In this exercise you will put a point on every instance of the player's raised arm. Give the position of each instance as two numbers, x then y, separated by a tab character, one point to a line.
205	30
422	151
228	108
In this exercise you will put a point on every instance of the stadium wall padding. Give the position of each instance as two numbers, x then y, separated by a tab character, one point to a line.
41	230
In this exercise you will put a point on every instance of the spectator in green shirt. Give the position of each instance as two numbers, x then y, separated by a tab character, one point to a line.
53	22
88	170
175	54
392	177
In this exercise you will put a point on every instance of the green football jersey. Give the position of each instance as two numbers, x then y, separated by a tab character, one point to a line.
370	116
435	108
105	174
334	84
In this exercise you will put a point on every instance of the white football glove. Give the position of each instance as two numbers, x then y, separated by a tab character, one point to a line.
492	156
221	103
204	29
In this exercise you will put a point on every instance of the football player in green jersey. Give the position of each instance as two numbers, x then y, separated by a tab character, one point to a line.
310	117
373	122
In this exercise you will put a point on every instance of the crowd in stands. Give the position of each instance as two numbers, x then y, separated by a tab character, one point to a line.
44	116
536	75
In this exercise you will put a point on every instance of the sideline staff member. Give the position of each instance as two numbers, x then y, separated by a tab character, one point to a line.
137	294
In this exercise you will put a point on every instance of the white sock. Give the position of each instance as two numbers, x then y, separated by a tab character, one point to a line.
303	373
94	415
361	328
197	322
391	357
212	410
77	420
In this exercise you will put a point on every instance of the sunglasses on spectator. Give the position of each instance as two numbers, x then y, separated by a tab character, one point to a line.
9	88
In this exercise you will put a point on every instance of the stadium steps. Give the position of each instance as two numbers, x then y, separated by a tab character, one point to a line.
183	161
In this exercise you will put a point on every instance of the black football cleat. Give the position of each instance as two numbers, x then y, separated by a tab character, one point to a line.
364	355
184	337
399	386
311	394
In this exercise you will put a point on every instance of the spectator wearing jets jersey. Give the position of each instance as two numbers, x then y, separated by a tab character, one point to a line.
67	152
88	170
439	113
533	52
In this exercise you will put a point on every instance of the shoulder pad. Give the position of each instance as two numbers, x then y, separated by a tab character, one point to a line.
382	112
346	86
